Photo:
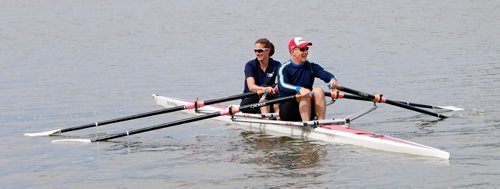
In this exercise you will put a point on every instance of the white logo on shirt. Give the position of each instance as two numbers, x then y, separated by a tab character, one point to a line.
270	74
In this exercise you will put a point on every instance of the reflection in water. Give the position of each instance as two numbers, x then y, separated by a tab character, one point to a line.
133	146
284	152
424	124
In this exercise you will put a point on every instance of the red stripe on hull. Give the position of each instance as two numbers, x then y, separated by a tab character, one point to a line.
369	134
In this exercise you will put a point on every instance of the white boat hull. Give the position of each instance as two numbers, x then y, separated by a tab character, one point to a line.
327	133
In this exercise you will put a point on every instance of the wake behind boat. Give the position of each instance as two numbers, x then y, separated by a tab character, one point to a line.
338	132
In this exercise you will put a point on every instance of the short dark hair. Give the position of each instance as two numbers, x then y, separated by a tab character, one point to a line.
266	43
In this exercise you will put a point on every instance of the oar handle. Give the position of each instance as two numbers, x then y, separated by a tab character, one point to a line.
265	103
379	98
263	97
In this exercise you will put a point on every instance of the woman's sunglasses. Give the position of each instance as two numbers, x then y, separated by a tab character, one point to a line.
259	50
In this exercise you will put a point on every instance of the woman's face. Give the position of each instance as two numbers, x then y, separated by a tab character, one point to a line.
261	52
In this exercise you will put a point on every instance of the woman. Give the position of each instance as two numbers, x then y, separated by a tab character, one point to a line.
260	74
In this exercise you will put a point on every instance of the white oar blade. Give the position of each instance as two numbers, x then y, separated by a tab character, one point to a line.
74	141
451	108
46	133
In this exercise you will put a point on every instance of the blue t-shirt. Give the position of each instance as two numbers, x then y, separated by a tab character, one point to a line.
262	78
291	76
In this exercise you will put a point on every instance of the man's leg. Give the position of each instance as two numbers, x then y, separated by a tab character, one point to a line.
319	103
305	108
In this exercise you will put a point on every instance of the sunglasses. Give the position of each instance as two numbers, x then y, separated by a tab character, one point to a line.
259	50
303	49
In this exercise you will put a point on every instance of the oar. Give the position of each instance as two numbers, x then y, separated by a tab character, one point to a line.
339	95
379	98
450	108
230	111
197	104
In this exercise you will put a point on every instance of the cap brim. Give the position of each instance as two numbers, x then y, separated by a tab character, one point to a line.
304	44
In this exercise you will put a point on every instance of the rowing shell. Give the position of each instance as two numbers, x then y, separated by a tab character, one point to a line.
327	133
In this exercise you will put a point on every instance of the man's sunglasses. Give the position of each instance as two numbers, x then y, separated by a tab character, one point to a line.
303	49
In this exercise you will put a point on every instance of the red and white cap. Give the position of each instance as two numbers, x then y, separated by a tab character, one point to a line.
298	42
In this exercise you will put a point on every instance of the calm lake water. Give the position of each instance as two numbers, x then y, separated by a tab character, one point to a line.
67	63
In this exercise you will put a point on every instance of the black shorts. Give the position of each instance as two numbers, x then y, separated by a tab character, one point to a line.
289	111
255	99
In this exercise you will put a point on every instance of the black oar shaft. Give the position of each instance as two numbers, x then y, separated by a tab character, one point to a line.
354	97
394	103
419	105
234	97
347	96
196	118
160	126
157	112
137	116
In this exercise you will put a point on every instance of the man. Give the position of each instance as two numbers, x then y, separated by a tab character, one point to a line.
297	76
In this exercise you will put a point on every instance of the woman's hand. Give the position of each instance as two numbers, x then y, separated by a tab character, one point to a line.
269	90
275	89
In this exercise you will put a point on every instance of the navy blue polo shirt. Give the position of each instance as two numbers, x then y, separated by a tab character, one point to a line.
262	78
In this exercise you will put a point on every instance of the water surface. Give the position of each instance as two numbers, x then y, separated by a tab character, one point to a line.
66	63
